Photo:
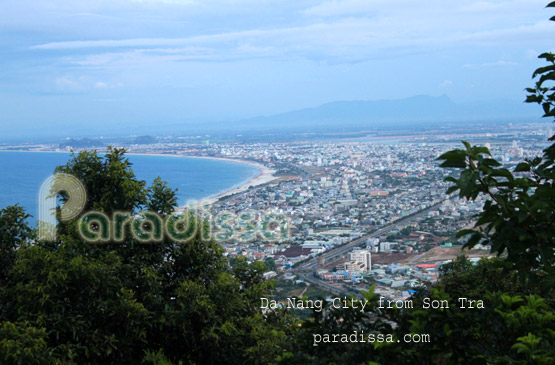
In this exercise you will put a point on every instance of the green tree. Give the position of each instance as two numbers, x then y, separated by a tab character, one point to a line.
160	198
109	180
518	218
270	263
128	302
14	232
516	325
485	335
23	344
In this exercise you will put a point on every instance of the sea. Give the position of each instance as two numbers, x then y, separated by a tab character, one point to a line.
22	173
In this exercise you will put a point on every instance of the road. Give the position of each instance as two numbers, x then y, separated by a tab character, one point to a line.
307	268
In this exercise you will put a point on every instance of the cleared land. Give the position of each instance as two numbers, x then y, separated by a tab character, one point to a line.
444	254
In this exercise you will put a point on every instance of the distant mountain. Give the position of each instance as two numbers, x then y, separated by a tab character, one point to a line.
339	116
144	140
81	143
387	114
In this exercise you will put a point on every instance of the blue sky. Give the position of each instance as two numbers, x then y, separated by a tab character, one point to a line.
82	63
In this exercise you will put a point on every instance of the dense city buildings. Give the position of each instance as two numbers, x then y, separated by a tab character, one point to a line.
379	202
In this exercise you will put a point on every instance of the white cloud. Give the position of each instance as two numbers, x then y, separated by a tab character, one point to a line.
499	63
172	2
68	83
479	6
446	83
333	8
345	39
342	7
331	32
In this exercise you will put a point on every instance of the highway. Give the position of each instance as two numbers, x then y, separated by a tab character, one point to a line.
307	268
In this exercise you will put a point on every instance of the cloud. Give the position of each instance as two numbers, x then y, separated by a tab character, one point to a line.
334	8
480	6
170	2
332	30
343	40
252	56
68	83
446	83
342	7
499	63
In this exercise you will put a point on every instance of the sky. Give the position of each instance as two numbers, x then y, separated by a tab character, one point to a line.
103	63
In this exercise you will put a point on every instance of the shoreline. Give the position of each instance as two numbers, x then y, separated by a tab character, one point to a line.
264	176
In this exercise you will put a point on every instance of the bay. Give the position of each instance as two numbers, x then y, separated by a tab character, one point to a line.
22	173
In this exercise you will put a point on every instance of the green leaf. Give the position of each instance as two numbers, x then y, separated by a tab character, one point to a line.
543	70
484	150
453	155
465	232
467	183
523	166
455	164
452	189
503	173
473	241
491	162
548	56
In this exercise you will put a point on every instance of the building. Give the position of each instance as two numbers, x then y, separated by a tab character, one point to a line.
352	266
363	257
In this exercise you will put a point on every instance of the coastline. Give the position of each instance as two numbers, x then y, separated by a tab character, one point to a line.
264	176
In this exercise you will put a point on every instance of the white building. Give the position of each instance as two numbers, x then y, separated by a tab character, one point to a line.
363	257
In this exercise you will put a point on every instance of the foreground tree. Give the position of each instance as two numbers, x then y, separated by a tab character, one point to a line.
14	232
128	301
516	324
518	218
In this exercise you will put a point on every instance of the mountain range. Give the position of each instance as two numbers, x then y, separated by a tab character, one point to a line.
339	116
415	111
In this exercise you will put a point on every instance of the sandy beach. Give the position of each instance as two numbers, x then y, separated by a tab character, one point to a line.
266	175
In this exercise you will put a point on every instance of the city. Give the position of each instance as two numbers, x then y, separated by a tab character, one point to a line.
359	212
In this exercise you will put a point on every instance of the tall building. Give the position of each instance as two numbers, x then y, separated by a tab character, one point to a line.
363	257
352	266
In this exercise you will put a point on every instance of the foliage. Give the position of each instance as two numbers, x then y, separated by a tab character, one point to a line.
128	302
519	215
461	278
339	321
486	335
515	325
21	343
13	233
160	198
109	180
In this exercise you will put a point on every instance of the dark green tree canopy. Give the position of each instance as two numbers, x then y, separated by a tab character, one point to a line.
127	302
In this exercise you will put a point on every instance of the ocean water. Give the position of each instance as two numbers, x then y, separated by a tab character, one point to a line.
22	173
